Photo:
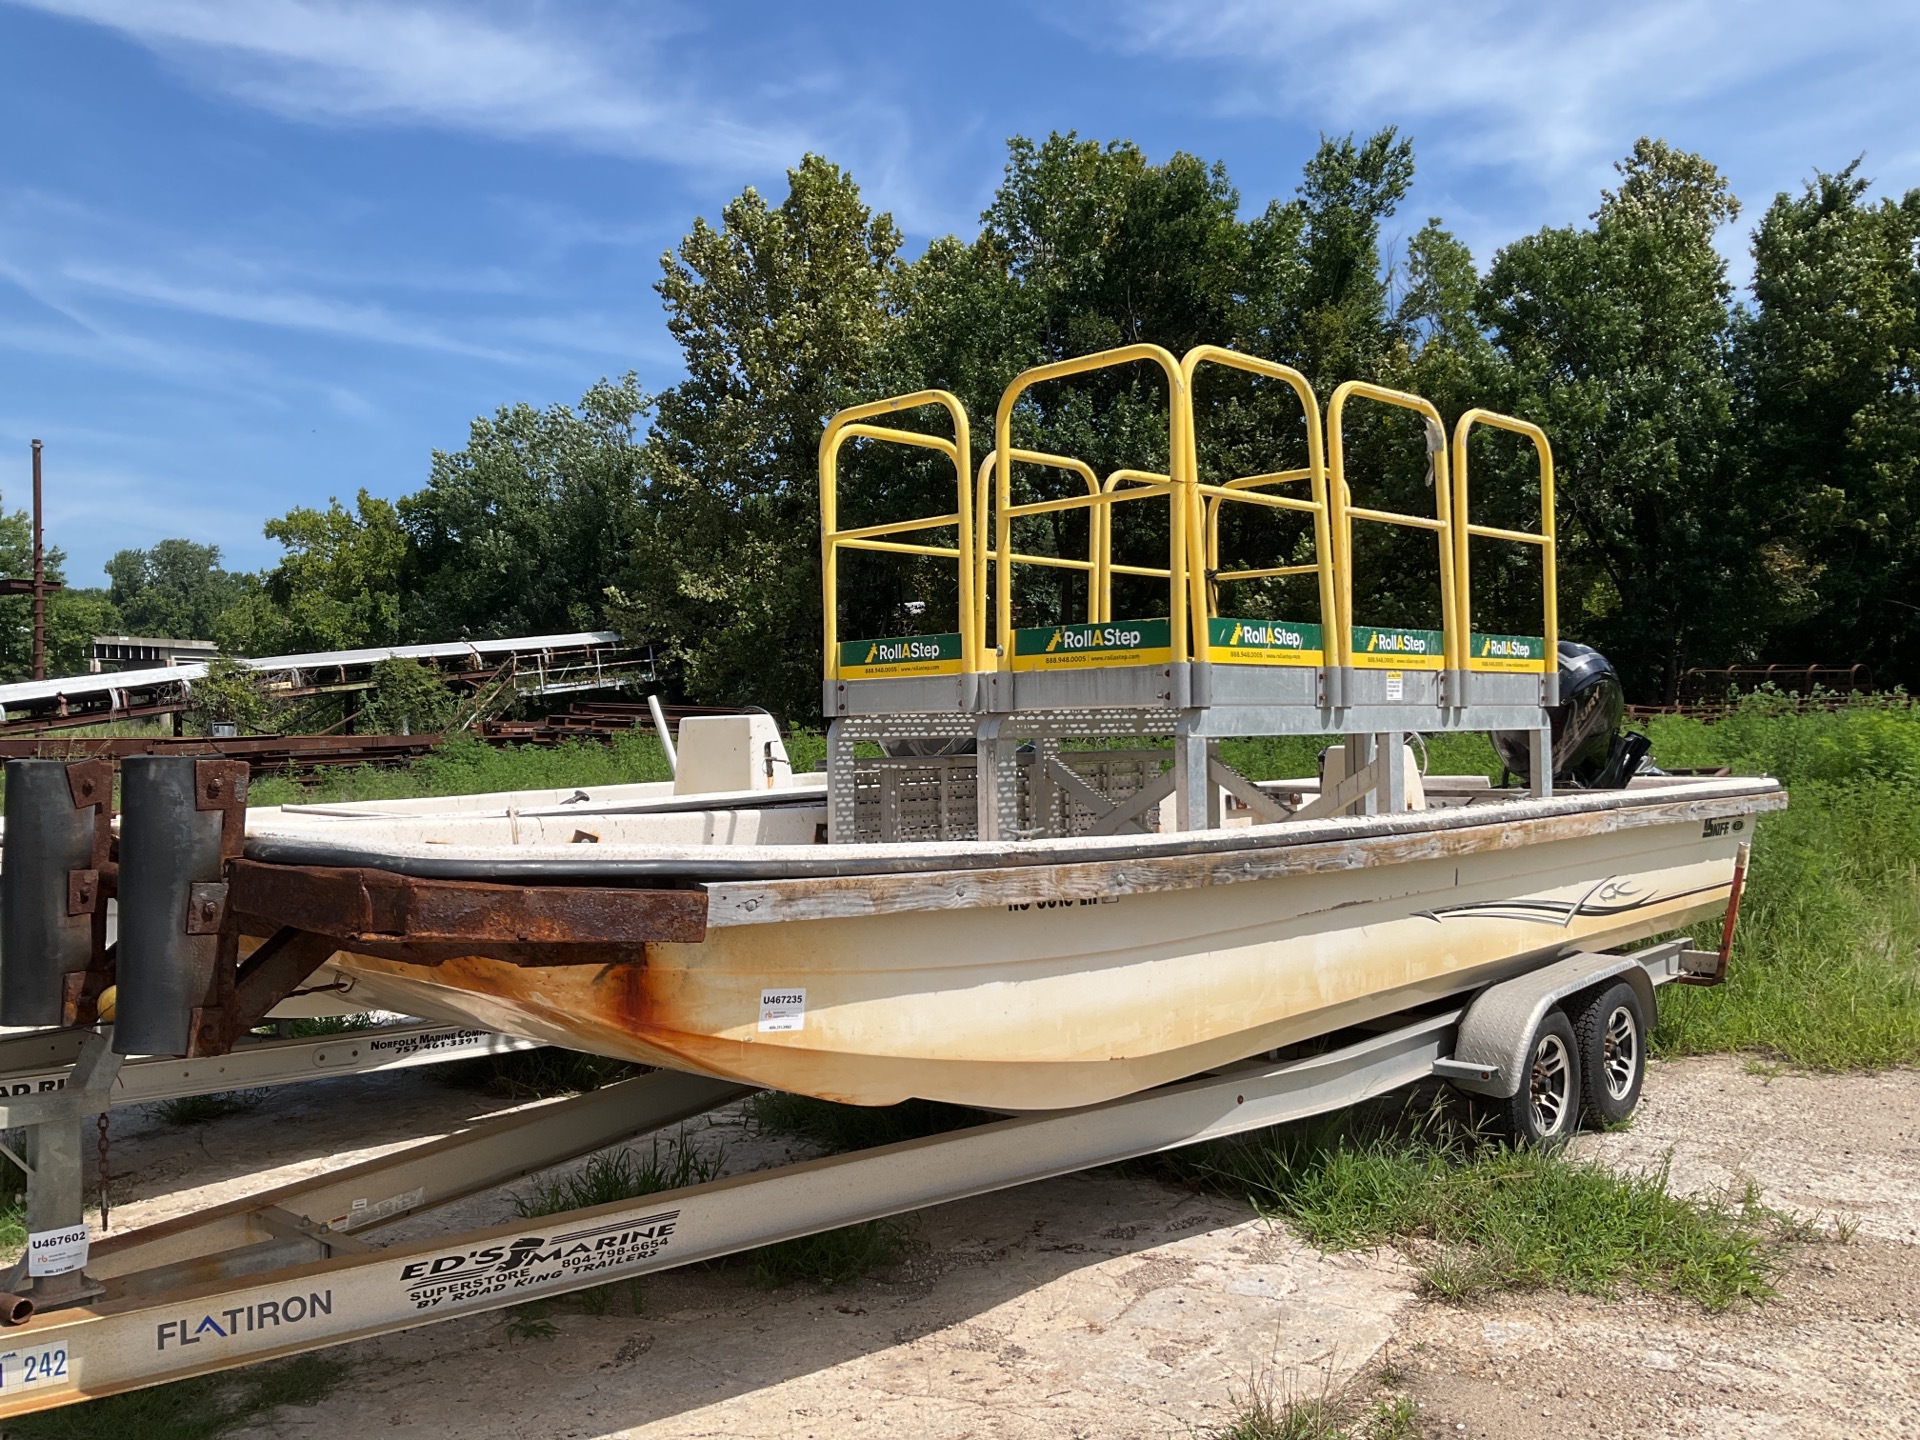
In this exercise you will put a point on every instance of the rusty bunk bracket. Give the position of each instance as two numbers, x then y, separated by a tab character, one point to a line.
241	997
425	922
90	782
221	1018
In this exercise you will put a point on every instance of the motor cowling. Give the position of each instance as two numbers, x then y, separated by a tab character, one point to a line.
1585	722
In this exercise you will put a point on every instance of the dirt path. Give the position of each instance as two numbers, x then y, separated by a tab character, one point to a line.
1113	1306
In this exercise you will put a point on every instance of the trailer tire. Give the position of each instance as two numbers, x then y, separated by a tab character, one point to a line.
1544	1111
1612	1035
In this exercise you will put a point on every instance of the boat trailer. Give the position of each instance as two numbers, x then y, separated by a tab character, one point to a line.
293	1269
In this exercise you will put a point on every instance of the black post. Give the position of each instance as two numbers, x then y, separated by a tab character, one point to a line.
39	578
46	928
168	844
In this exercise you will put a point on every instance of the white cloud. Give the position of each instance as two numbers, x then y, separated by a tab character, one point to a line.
287	309
607	87
1552	87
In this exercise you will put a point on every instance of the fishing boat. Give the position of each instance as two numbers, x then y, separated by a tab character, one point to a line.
984	897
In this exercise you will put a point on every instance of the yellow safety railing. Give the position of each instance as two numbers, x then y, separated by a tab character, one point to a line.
1144	483
1244	490
1192	573
850	424
1100	498
1464	530
1092	565
1344	512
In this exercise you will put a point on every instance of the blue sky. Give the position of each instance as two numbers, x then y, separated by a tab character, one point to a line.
254	253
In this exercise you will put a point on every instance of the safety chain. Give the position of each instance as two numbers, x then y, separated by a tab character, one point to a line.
101	1125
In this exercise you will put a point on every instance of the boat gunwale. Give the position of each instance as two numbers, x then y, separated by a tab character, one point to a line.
855	897
719	864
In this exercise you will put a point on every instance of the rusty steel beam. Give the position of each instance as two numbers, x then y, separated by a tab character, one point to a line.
365	908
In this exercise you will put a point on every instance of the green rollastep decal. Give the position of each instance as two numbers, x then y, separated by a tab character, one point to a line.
903	655
1514	654
1088	647
1263	642
1378	648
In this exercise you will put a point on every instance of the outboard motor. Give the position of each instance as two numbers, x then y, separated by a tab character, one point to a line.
1588	749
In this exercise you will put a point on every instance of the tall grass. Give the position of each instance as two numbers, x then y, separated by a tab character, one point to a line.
464	765
1826	965
1417	1173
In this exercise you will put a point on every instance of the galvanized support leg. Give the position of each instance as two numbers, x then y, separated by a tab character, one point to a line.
842	825
1392	749
1196	802
54	1159
1540	763
997	786
1361	752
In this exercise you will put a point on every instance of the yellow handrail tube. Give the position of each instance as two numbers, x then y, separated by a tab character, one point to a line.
1092	562
1207	552
1464	530
848	425
1344	513
1178	452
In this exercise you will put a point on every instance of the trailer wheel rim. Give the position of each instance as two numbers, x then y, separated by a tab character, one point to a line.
1550	1084
1620	1053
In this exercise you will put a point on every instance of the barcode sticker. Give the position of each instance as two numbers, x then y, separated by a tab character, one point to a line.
57	1252
782	1010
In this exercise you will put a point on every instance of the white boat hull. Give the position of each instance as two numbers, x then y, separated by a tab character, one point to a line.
1107	979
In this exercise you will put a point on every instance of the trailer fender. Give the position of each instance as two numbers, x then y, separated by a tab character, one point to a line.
1490	1054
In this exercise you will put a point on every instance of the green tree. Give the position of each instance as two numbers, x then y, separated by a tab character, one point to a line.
1332	322
407	698
175	590
229	693
779	313
521	532
16	611
1618	336
74	617
1831	418
338	586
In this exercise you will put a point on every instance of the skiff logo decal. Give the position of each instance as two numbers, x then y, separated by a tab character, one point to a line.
536	1260
1714	829
1616	895
243	1319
